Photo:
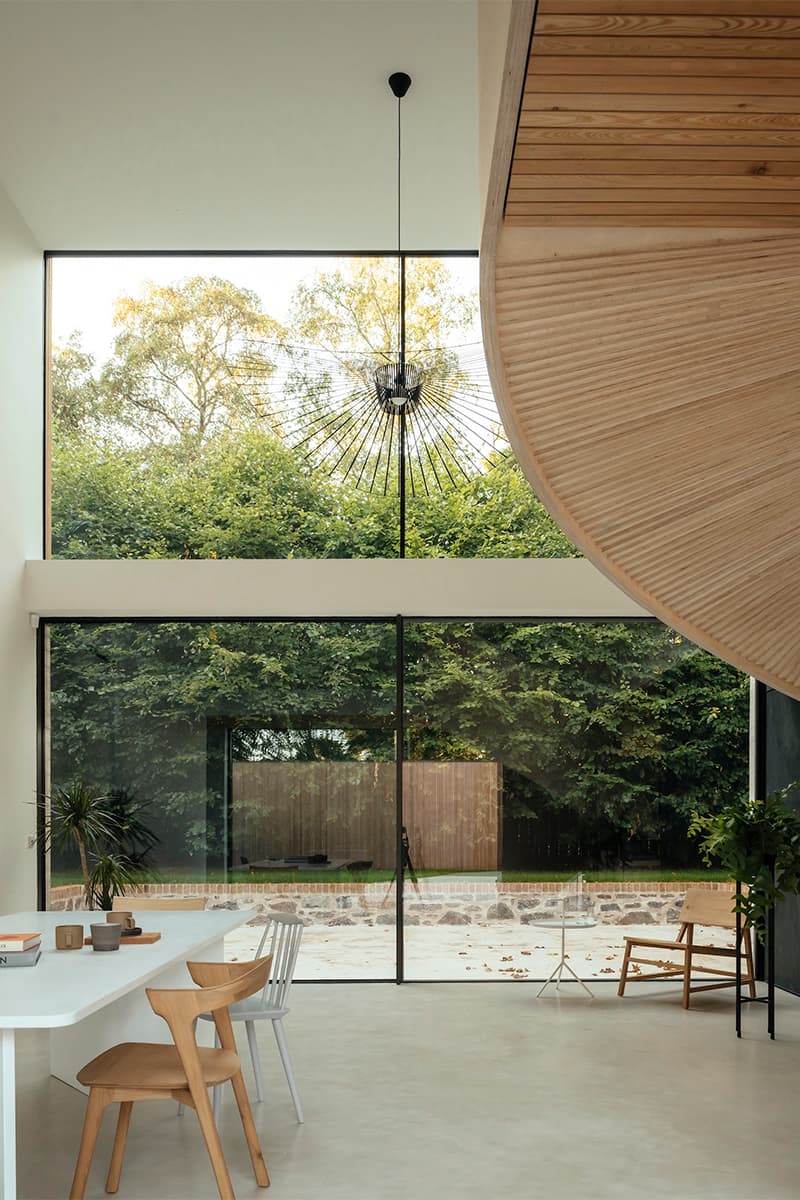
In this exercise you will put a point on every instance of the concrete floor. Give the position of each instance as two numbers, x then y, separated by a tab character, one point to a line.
468	1091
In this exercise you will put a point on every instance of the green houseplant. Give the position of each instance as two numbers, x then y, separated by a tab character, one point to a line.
758	841
113	841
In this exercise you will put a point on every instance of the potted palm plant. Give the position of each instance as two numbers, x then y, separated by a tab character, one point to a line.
112	839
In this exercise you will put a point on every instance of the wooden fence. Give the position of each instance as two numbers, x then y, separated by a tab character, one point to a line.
452	812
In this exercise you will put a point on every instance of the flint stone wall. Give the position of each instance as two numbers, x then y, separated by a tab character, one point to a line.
436	902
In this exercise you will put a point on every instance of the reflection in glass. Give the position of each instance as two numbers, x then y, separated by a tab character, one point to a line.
538	751
261	754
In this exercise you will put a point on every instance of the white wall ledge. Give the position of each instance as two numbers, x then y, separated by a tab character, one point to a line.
310	588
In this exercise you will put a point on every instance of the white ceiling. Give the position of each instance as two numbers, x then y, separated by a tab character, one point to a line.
239	124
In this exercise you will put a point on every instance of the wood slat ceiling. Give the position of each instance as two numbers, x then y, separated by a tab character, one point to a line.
660	112
648	372
653	395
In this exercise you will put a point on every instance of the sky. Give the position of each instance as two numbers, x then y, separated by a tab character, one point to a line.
85	288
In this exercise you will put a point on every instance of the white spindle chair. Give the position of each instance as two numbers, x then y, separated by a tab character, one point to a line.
281	936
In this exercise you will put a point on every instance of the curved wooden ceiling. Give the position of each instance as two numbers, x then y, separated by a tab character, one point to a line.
641	297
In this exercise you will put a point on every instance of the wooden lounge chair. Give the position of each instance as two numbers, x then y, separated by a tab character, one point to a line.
701	907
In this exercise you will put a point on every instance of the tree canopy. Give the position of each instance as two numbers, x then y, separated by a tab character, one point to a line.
610	733
174	374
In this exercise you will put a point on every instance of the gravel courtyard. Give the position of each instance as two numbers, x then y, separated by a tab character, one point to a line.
501	950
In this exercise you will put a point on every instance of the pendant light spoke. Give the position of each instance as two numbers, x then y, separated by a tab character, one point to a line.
427	417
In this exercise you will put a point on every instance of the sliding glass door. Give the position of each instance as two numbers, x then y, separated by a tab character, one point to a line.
550	766
251	761
256	762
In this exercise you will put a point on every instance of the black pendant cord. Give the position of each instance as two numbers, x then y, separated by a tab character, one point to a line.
401	467
401	264
401	302
400	83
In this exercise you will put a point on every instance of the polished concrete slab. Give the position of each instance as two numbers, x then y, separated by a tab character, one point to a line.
472	1090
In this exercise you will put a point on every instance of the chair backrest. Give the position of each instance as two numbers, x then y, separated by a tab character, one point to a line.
226	983
703	906
281	940
134	903
180	1007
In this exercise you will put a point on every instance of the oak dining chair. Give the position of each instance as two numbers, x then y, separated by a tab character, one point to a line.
182	1070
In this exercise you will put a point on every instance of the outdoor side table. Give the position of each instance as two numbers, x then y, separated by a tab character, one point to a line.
565	922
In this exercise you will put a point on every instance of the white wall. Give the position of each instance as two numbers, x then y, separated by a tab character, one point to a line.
264	125
254	124
21	296
326	588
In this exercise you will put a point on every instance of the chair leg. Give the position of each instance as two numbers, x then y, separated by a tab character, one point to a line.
623	977
120	1138
210	1134
280	1038
249	1126
253	1044
95	1108
216	1093
751	970
687	973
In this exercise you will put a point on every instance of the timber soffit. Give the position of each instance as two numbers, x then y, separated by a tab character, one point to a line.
641	305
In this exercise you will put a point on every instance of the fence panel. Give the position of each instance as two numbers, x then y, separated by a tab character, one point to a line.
452	814
346	809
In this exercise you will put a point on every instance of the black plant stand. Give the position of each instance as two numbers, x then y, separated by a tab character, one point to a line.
769	999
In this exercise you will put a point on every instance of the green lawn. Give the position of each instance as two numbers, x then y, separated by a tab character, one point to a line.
189	875
644	876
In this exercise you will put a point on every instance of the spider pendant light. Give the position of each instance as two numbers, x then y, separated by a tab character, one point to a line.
429	418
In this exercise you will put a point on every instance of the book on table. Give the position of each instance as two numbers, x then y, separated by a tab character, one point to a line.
18	943
25	958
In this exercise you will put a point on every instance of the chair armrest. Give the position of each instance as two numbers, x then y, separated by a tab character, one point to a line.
664	945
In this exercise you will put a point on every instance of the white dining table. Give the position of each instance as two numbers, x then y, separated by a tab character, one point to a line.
90	1000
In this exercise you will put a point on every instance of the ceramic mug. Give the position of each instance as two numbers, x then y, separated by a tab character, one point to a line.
125	919
69	937
107	936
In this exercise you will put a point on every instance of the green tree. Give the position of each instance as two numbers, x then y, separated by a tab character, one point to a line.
243	494
176	374
492	515
174	687
609	734
352	312
75	400
344	328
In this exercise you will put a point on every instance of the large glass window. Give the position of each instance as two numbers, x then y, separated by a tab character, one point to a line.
256	763
249	761
551	759
271	407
